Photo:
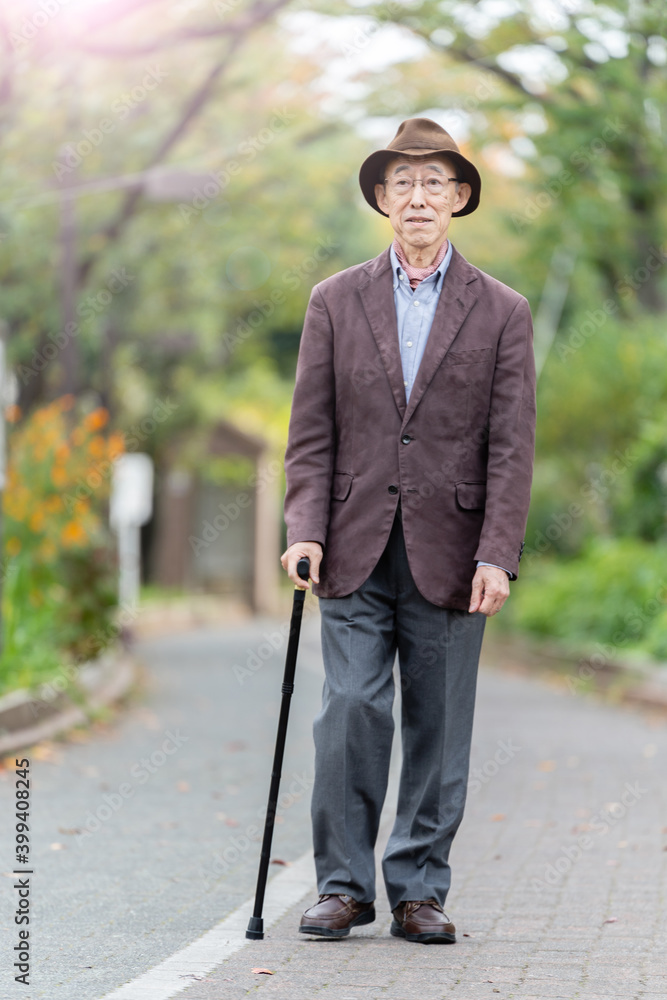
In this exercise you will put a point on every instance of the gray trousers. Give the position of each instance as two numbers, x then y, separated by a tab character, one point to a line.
438	653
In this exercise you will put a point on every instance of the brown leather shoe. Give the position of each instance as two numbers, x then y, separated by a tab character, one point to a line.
333	916
423	920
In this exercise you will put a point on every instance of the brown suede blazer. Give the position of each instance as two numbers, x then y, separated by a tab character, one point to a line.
459	454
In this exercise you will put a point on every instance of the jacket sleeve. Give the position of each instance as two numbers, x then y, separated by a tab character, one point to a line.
511	444
309	458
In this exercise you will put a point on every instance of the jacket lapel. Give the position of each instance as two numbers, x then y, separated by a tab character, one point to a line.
456	300
377	296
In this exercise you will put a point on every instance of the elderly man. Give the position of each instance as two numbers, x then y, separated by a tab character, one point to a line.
408	465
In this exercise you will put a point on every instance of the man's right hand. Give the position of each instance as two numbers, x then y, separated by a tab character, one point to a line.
289	559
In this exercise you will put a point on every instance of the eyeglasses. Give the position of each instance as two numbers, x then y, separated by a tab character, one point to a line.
432	185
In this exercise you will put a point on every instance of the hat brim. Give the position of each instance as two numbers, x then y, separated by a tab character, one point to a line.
372	167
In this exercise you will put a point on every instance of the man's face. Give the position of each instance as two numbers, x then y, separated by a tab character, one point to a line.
420	213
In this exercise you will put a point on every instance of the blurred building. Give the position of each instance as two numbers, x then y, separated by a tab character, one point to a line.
219	539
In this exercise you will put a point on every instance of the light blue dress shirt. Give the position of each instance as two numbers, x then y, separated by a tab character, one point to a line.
414	314
415	311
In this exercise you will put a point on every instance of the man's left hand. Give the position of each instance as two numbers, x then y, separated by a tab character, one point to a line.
490	590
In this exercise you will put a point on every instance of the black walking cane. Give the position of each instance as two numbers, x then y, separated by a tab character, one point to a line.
255	929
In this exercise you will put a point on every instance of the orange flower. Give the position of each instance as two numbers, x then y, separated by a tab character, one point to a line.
97	446
36	522
66	402
73	533
12	413
59	476
116	444
97	419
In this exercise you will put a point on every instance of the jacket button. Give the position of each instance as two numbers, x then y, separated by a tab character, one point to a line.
406	439
393	489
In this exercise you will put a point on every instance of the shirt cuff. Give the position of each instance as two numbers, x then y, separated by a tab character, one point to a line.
495	567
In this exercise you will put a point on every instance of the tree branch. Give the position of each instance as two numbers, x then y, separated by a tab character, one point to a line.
261	11
113	229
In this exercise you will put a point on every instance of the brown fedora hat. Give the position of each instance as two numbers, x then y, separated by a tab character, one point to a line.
419	137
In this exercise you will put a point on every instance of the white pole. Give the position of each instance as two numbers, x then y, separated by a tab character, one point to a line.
129	558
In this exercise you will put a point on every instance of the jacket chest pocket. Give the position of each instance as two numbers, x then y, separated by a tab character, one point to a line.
484	355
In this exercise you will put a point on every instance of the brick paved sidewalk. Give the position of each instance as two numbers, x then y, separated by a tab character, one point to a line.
559	872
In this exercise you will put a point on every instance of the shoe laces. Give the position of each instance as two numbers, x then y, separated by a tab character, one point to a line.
414	904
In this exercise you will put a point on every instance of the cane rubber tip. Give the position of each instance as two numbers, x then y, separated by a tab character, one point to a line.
255	930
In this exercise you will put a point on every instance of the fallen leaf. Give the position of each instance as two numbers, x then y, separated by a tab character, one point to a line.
183	786
465	933
496	818
78	736
266	972
43	752
234	746
231	822
57	847
279	861
610	920
72	831
547	765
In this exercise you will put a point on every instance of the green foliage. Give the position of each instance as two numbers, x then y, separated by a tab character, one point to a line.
59	590
600	447
596	540
613	595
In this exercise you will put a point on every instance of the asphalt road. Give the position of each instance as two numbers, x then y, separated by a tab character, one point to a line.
168	799
144	838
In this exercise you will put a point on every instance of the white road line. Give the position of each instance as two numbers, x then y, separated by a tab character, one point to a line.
177	972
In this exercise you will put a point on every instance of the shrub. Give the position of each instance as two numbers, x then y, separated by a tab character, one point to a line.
59	568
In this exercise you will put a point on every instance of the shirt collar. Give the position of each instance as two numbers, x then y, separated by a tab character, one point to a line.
437	276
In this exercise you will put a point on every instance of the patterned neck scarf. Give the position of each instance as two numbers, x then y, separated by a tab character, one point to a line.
417	274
